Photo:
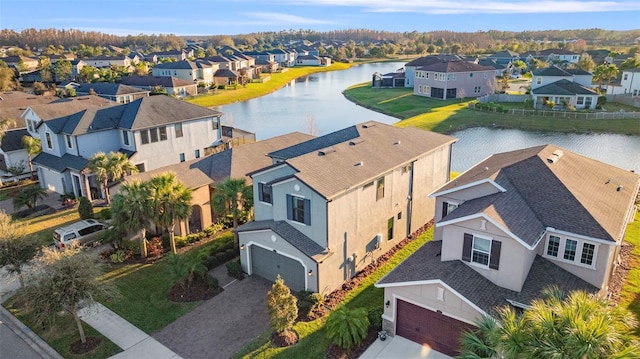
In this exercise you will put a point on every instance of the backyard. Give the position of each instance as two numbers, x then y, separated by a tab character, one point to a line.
447	116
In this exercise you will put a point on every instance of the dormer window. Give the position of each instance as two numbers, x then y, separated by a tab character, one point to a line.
47	137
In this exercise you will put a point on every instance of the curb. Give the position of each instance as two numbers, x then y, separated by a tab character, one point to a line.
31	338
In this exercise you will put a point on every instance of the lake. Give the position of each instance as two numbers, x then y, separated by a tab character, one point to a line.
318	98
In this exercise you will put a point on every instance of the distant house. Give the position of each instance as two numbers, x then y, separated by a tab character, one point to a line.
192	71
391	79
547	75
411	66
559	57
174	86
111	91
629	83
454	78
504	57
312	60
12	152
563	86
506	229
500	69
28	63
178	55
107	61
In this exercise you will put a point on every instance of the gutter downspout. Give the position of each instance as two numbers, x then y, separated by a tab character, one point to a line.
410	199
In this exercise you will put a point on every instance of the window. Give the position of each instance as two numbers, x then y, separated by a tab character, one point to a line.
215	123
30	125
486	76
588	250
390	229
570	249
153	132
483	251
178	127
471	74
264	192
477	89
197	154
380	189
426	75
538	80
48	138
448	207
587	102
144	136
580	100
163	133
125	137
68	141
553	246
624	77
182	157
298	209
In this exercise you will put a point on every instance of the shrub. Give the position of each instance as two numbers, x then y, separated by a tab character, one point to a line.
230	253
180	241
105	214
220	257
234	269
375	318
602	100
283	310
117	257
132	246
85	208
347	327
154	248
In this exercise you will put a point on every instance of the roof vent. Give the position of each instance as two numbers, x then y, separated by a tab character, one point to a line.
368	124
619	188
355	141
358	164
608	181
555	156
326	151
397	142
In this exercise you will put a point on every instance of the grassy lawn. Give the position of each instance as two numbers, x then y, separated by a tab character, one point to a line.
43	226
313	342
446	116
253	90
630	295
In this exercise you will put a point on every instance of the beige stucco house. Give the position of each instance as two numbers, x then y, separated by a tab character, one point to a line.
509	227
327	207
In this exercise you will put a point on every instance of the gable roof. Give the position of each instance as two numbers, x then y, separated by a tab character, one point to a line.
106	88
151	81
563	87
336	163
431	59
505	53
587	187
12	140
60	164
551	71
455	66
425	265
14	104
69	105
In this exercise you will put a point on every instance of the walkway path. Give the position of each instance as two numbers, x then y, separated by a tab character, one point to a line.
135	343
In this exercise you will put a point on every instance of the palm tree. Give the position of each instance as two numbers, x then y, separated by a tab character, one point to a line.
29	196
171	203
599	74
611	72
6	124
33	147
232	197
133	209
110	167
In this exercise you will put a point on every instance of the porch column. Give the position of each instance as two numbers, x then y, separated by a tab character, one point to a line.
85	186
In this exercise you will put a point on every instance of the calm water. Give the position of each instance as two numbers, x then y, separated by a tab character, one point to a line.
319	97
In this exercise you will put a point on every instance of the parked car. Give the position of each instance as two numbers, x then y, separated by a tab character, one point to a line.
82	232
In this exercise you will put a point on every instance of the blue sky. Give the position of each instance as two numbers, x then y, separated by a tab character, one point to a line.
200	17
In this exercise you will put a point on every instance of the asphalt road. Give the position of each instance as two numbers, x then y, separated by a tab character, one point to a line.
13	346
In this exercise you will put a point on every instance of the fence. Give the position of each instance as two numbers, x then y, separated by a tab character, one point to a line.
503	97
625	99
564	114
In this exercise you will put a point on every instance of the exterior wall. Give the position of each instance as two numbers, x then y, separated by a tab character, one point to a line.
198	134
409	76
430	173
14	158
183	90
57	142
464	81
184	74
584	80
200	197
515	259
273	242
105	141
629	84
107	63
598	274
427	296
51	180
262	210
545	80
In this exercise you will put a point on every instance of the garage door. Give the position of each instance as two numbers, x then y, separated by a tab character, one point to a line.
424	326
269	264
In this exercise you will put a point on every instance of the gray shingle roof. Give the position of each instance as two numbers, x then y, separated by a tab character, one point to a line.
177	65
60	164
431	59
551	71
451	66
425	264
587	187
317	143
110	89
151	81
563	87
293	236
12	140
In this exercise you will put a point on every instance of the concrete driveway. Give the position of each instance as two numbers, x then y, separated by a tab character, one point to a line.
399	347
222	325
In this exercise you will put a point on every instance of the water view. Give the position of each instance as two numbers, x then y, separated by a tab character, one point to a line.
319	97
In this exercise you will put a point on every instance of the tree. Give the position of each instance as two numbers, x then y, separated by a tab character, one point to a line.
630	63
599	74
586	63
171	203
62	69
575	326
39	88
6	76
16	247
347	327
283	309
85	208
233	197
110	167
185	269
29	196
44	65
611	72
133	209
66	280
33	147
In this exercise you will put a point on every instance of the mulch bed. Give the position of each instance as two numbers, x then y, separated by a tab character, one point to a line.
79	347
619	277
200	289
336	352
284	339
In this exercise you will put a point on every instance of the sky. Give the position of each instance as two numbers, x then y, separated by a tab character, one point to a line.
232	17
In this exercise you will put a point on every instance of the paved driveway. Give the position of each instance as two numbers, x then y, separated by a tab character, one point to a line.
222	325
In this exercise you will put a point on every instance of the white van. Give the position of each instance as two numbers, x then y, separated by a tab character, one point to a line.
83	232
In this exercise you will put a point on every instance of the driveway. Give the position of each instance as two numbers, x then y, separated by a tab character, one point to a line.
222	325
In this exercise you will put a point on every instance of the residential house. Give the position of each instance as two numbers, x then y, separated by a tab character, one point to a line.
178	55
547	75
391	79
202	174
411	66
283	57
327	207
107	61
77	66
12	153
111	91
27	63
13	105
312	60
511	226
505	57
500	69
192	71
563	87
629	83
560	57
454	78
174	86
153	131
225	77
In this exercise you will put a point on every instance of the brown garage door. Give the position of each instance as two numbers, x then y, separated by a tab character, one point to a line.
424	326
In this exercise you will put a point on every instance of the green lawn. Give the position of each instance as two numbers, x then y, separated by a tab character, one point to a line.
43	226
447	116
630	295
313	342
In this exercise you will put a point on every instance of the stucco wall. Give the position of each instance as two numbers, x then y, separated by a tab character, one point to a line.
104	141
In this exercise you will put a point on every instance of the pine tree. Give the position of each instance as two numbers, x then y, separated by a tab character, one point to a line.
283	309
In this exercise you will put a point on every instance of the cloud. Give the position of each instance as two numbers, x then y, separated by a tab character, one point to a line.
476	7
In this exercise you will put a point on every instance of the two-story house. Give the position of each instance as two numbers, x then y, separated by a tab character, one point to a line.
511	226
107	61
174	86
505	58
563	86
449	79
153	131
329	206
411	66
629	84
119	93
193	71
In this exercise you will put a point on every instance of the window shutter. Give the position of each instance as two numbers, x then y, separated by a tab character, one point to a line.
289	207
445	205
307	212
495	254
466	247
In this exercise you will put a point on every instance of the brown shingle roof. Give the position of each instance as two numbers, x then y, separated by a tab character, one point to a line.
13	104
456	66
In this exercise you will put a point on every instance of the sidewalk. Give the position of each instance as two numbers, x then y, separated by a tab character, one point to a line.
135	343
